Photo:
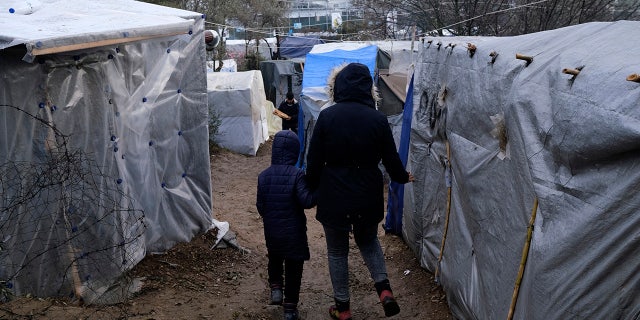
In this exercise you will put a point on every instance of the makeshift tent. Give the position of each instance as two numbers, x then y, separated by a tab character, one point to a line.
280	77
238	101
296	47
529	136
103	148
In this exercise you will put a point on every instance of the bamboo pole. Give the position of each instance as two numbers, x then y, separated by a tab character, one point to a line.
633	77
448	213
494	56
523	260
472	49
528	59
573	72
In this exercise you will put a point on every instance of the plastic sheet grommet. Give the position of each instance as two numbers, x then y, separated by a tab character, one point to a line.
115	149
110	56
119	181
179	90
117	50
169	50
113	138
74	229
190	32
164	185
150	143
41	105
180	132
184	174
144	99
54	108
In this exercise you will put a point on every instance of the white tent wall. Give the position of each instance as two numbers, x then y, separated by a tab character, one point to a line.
239	102
103	149
571	142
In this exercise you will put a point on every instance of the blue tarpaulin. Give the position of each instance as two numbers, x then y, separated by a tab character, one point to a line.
297	47
393	222
319	65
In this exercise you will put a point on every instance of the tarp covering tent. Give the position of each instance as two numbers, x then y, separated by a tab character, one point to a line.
392	67
103	148
500	135
280	77
238	101
297	47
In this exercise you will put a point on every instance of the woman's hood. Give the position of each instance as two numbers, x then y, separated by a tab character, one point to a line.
286	148
352	82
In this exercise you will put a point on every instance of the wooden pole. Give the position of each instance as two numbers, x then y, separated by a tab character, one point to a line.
523	260
448	213
528	59
573	72
634	77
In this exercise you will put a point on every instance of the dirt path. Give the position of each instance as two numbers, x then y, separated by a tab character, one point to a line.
234	201
193	282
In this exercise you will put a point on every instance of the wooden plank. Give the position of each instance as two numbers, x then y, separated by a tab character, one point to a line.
94	44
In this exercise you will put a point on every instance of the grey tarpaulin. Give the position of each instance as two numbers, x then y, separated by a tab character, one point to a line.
518	131
237	99
103	147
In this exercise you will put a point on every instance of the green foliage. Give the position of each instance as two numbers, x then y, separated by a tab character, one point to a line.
214	127
251	62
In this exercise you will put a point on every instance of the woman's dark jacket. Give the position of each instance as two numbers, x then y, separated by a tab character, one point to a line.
282	196
350	138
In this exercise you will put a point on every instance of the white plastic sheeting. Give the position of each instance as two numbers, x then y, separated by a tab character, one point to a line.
238	100
103	147
518	131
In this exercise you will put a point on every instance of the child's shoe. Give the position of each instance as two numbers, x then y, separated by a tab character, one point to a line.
276	294
290	311
340	311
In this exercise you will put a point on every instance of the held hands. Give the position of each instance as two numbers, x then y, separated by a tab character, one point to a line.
411	177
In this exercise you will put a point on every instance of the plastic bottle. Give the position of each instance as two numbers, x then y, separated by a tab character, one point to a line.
25	7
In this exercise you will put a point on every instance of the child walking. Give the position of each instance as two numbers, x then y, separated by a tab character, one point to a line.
282	196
